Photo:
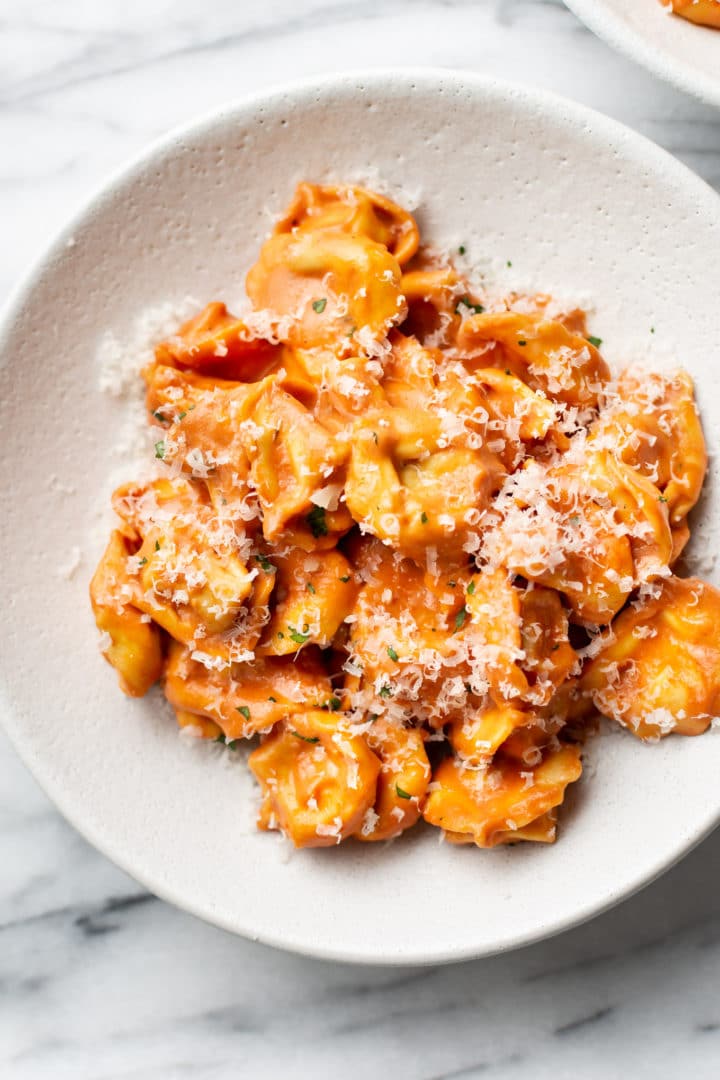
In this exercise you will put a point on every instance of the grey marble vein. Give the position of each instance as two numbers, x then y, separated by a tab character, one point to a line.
100	981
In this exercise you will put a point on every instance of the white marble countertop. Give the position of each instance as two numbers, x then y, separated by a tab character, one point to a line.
97	978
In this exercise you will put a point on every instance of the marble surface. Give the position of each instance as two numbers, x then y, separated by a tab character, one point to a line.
99	979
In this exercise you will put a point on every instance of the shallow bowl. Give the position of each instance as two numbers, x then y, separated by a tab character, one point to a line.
674	49
541	193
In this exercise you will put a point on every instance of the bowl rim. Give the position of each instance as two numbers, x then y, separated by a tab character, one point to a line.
609	27
562	109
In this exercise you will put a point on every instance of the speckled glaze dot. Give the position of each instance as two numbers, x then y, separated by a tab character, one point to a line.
543	194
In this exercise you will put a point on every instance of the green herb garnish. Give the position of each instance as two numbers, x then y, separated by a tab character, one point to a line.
596	341
460	618
319	305
297	637
244	711
402	794
306	738
265	563
471	587
391	653
310	587
316	521
424	518
229	744
466	302
160	449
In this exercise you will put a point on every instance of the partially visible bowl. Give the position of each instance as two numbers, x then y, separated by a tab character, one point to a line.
556	196
671	47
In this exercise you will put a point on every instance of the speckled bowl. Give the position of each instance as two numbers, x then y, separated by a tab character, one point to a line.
576	204
672	48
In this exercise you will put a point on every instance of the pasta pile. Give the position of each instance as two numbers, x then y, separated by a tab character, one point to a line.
410	539
702	12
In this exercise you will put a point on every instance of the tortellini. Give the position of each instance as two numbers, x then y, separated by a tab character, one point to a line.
702	12
406	540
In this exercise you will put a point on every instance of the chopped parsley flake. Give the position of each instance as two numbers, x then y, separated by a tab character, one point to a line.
662	498
319	305
460	618
244	711
265	563
142	561
522	343
466	302
471	587
345	578
273	699
385	691
596	341
157	545
461	249
160	416
306	738
402	794
182	415
310	587
333	704
424	518
391	653
229	744
160	449
297	637
316	521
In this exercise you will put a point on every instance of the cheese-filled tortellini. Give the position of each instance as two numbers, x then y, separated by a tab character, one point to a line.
406	538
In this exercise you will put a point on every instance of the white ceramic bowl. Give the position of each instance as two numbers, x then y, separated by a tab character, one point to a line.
577	204
671	47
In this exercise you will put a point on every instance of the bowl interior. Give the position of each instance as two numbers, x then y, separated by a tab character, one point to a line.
580	207
674	48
